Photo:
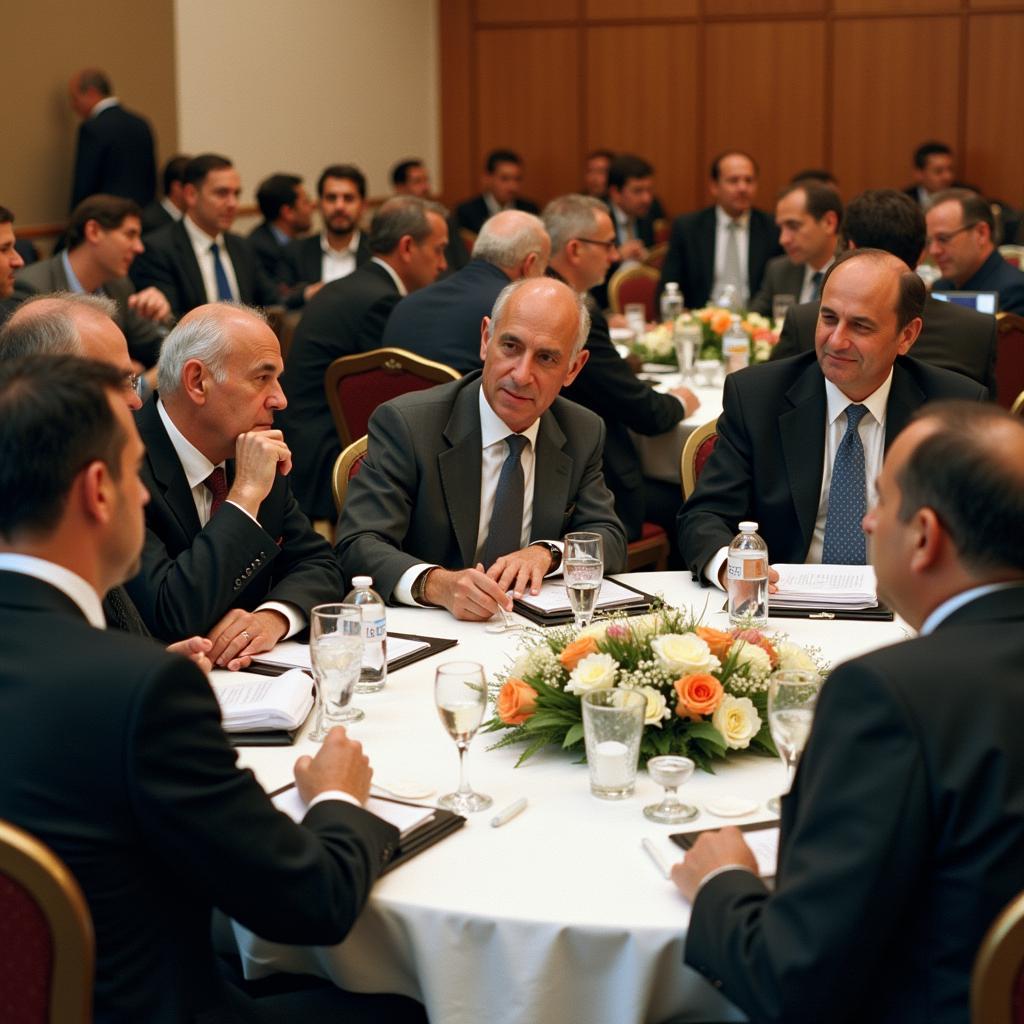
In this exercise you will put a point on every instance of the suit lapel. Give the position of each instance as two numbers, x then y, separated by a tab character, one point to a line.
460	470
905	398
552	467
239	255
190	268
166	470
802	430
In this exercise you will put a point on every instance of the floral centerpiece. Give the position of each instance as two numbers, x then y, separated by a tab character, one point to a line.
706	689
657	346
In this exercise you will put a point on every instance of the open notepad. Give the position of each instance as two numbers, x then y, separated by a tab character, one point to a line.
762	837
551	605
291	654
255	702
824	586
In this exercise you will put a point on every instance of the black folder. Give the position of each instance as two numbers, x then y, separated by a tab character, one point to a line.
560	618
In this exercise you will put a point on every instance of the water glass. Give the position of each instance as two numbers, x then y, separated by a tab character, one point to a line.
336	654
460	695
583	570
792	696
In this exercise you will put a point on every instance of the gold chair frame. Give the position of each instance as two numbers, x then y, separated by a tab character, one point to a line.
687	473
342	467
997	966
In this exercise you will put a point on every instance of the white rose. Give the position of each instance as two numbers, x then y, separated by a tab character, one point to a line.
598	630
657	706
737	720
794	656
594	672
755	658
684	653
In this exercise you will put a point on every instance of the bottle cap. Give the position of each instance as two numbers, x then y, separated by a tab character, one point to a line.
367	581
745	527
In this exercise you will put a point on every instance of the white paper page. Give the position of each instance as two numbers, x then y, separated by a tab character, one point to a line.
404	817
553	598
248	700
764	842
292	654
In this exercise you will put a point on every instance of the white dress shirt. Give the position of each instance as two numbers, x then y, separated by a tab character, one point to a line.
338	263
201	243
67	582
807	293
722	221
171	210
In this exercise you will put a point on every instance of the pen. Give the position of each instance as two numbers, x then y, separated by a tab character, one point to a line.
656	857
505	816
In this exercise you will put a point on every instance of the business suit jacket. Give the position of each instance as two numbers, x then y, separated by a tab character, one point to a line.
471	214
121	766
155	216
170	264
767	464
304	258
190	577
143	336
953	337
417	496
114	155
901	838
994	275
781	277
344	317
691	253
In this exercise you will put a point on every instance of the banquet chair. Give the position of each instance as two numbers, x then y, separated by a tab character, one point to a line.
1009	358
1018	405
357	384
633	283
47	946
1013	254
997	980
699	445
346	465
650	551
656	256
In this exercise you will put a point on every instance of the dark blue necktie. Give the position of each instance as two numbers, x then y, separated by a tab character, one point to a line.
223	287
847	497
505	532
816	279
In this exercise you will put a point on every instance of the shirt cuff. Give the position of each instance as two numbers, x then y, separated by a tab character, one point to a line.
297	622
714	568
721	870
403	588
333	794
561	550
243	511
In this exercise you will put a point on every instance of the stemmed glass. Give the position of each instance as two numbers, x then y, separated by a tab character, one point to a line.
670	772
336	654
582	570
792	695
460	694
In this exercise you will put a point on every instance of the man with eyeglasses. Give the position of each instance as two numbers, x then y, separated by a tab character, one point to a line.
960	230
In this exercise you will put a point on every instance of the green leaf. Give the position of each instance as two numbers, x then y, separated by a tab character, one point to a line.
574	735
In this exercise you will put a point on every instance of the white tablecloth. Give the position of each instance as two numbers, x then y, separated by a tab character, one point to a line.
556	917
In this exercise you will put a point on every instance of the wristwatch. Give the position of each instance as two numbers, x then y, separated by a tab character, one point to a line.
419	588
553	550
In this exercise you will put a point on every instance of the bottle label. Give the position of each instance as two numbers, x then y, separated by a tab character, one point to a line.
374	630
750	565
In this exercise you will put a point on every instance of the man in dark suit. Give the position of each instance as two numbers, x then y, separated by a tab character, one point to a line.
934	171
469	486
407	238
783	424
171	208
228	552
410	177
10	258
114	154
442	321
503	181
287	215
951	336
136	787
726	245
199	260
902	834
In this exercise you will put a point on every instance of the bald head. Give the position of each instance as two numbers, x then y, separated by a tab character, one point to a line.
516	242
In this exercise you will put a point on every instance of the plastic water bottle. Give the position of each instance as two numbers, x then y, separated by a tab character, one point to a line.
374	672
747	578
671	303
735	346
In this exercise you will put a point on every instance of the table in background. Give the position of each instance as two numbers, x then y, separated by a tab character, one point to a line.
557	916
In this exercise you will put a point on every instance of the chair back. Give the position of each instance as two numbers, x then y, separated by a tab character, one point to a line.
47	947
656	256
1018	405
997	980
356	385
1009	358
633	283
346	465
1013	254
696	451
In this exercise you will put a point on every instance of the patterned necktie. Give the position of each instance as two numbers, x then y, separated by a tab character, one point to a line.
816	286
847	498
217	484
506	529
224	293
731	271
121	613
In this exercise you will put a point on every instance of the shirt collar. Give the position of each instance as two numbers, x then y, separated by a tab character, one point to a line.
105	104
621	217
279	236
724	219
172	211
494	429
875	402
957	601
352	247
199	238
67	582
196	465
74	285
402	290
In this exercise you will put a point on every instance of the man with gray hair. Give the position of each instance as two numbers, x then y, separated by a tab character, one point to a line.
442	321
533	459
408	236
228	552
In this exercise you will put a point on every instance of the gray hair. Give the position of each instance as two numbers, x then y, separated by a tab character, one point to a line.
569	217
582	330
506	242
200	335
400	216
50	330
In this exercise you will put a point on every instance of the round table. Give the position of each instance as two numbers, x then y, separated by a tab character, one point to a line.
557	916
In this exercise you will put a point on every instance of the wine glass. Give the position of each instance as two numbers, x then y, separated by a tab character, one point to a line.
582	570
460	693
336	654
792	694
670	772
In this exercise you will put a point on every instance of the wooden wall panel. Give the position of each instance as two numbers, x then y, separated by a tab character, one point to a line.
887	97
458	155
762	93
651	111
527	90
894	6
640	10
759	8
503	13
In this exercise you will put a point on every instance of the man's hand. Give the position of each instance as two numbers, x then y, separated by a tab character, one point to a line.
691	403
260	455
773	578
240	635
468	593
150	304
634	249
339	764
521	569
311	289
712	850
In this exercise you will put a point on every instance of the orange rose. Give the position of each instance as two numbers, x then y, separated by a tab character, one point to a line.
717	640
517	701
698	695
720	321
575	652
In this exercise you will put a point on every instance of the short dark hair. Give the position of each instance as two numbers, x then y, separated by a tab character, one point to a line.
55	419
927	149
108	211
883	218
501	156
6	217
818	174
966	475
400	216
716	164
606	153
912	290
93	78
626	166
174	170
974	208
276	191
200	166
400	172
347	171
819	199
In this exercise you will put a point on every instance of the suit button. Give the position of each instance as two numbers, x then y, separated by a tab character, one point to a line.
238	582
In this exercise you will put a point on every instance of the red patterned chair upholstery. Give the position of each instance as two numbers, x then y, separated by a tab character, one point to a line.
633	283
699	445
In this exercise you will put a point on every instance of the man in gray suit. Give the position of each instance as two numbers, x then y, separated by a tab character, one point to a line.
468	487
104	237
